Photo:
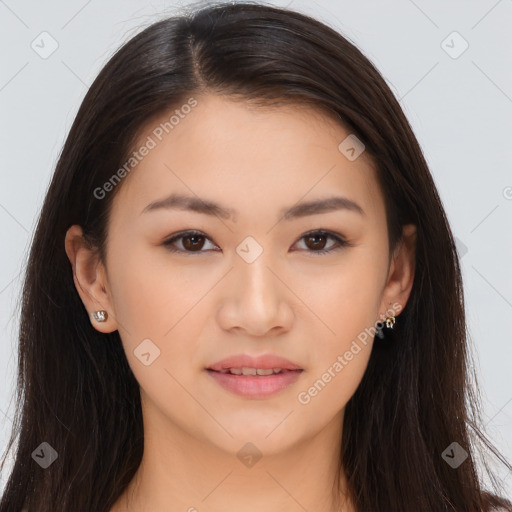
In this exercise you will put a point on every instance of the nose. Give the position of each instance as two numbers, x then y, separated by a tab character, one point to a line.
255	301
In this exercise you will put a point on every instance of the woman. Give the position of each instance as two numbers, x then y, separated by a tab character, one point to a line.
243	290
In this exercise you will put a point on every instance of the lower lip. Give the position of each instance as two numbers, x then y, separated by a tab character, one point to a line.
254	386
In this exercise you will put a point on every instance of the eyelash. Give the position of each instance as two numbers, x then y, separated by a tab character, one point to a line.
340	241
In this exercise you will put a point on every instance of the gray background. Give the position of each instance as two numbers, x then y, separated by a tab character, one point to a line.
459	104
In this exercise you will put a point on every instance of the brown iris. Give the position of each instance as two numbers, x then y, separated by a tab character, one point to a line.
193	242
318	241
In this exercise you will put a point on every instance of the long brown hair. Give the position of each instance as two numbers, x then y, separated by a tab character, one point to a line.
75	389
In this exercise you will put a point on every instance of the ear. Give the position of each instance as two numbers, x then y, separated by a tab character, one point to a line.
401	273
90	278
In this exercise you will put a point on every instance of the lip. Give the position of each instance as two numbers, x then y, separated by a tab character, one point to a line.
255	386
264	362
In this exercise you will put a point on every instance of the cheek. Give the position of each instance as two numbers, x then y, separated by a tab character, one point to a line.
154	302
326	391
150	295
159	313
346	298
338	363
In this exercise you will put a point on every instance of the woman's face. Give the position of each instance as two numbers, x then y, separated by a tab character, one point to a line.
250	286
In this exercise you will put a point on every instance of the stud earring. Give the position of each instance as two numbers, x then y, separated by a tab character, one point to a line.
390	322
100	316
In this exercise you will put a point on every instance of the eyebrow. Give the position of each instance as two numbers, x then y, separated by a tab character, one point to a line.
204	206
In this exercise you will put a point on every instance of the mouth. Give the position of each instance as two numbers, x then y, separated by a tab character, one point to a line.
255	377
261	372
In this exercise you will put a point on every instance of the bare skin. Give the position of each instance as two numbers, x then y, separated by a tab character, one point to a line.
209	303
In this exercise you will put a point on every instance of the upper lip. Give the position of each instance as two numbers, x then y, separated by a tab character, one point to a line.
263	362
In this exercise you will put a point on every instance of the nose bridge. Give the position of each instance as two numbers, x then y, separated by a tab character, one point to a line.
258	284
255	300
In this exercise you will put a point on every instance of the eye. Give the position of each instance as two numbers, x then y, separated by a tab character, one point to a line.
316	241
190	241
194	241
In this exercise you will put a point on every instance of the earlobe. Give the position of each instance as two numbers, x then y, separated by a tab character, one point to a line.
90	280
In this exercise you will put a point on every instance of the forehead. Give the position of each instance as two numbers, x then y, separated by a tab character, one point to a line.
245	155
